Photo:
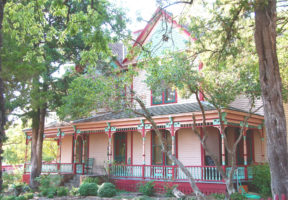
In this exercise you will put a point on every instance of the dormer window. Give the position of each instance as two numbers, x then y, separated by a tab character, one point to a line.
166	96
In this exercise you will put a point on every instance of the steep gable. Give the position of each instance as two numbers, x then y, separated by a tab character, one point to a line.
162	33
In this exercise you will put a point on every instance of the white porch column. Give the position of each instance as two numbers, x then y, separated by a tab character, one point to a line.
245	146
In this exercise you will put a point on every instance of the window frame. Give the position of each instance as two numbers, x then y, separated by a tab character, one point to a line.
163	97
165	157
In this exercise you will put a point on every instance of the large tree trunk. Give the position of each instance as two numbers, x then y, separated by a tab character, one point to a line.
37	145
271	85
2	102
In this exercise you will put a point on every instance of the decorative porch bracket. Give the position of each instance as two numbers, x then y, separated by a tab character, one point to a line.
223	118
77	131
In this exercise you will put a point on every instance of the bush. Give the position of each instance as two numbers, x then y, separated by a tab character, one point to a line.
50	196
237	196
262	179
88	189
29	195
18	188
107	190
218	196
62	191
74	191
92	180
9	198
48	184
20	198
169	189
147	188
9	179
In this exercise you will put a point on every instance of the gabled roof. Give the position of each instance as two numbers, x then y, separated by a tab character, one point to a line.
145	33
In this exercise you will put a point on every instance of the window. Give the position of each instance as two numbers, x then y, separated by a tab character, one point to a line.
158	157
165	96
120	140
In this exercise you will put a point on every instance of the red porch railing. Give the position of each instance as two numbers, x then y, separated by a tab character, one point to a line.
155	172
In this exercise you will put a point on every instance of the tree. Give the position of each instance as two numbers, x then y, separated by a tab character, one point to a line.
223	40
57	33
271	85
2	102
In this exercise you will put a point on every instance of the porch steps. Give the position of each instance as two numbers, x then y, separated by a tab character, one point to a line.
74	182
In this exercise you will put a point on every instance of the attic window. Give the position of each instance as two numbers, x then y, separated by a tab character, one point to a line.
165	37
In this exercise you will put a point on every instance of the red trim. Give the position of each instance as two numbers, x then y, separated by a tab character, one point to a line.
88	145
131	147
72	159
163	99
151	24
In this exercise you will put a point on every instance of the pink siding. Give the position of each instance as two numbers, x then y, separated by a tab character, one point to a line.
242	102
189	149
66	149
257	146
98	150
137	148
213	141
144	92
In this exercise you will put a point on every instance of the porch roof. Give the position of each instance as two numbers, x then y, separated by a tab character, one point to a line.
154	111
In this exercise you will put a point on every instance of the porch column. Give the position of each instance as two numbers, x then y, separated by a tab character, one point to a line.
109	131
26	149
223	154
245	146
173	127
144	128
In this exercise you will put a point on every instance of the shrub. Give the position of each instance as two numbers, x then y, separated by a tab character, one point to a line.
48	184
50	196
9	198
18	188
28	195
88	189
9	179
20	198
218	196
147	188
92	180
261	179
237	196
74	191
62	191
107	190
168	190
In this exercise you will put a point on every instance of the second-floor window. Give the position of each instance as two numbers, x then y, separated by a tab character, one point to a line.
167	95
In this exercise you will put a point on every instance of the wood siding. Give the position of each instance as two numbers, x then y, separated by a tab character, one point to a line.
66	149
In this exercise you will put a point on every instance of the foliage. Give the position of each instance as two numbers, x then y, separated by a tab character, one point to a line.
88	189
92	180
9	198
74	191
9	179
262	179
237	196
18	188
168	190
48	184
62	191
22	197
218	196
147	188
28	195
107	190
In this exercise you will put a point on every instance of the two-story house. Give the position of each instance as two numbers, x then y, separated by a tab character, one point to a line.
131	147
